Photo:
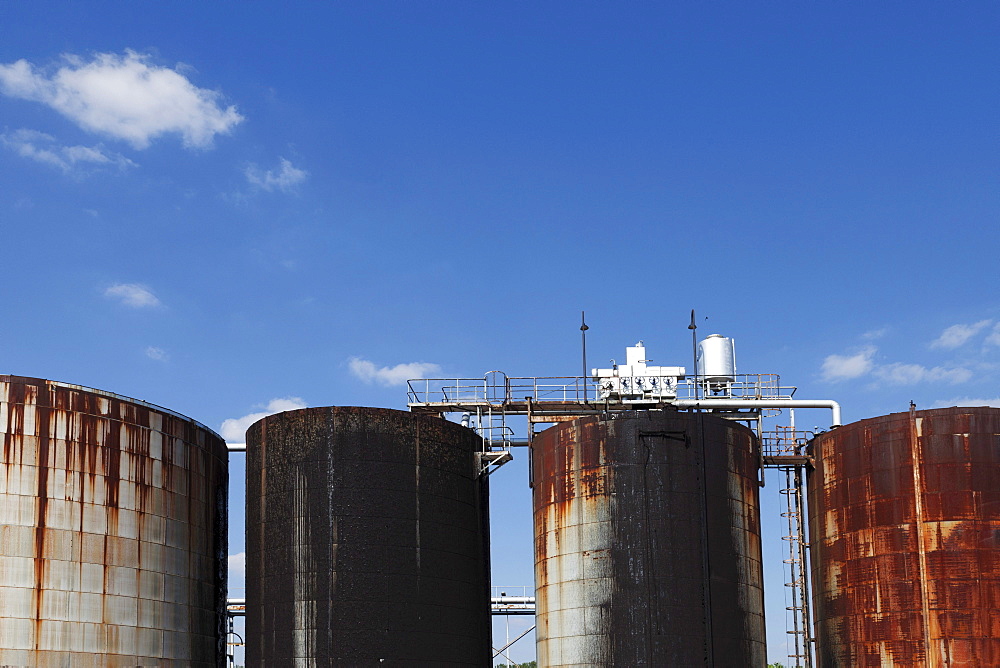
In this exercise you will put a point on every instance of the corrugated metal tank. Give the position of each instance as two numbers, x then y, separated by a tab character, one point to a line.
647	542
112	531
905	539
367	540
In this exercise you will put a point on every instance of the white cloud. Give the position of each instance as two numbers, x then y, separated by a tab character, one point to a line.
844	367
873	334
234	429
124	96
967	401
954	375
993	338
158	354
910	374
238	569
395	375
956	335
132	294
286	178
43	148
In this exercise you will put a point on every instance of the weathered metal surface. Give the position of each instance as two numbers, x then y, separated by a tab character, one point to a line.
905	525
112	531
647	542
367	540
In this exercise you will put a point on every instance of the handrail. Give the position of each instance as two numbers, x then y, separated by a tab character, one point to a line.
572	388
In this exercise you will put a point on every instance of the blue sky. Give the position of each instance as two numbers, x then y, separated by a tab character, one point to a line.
232	208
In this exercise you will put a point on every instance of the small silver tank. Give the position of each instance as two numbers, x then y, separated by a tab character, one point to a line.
717	359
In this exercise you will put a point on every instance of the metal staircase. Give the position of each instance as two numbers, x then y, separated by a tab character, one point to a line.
784	449
796	568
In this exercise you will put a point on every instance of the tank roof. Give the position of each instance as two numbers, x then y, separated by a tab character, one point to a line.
28	380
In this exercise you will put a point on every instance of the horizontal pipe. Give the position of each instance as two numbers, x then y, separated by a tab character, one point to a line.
495	599
236	447
496	604
763	403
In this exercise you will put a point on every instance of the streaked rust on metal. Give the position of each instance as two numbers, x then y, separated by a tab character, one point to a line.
905	540
367	540
647	542
108	555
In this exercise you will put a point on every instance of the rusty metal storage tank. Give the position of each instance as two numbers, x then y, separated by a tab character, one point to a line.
905	540
112	531
367	540
647	542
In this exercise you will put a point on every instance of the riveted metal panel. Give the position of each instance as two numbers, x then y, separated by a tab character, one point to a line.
905	540
647	542
367	540
89	482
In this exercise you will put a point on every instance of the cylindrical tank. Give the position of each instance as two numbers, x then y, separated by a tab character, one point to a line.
113	531
904	516
367	540
647	542
717	359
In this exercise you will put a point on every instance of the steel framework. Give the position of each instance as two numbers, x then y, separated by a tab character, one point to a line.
487	402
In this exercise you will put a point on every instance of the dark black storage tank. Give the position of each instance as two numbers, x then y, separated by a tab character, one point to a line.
367	540
647	542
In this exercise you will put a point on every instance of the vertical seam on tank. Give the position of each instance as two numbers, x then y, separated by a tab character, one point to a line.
930	657
650	574
416	498
705	544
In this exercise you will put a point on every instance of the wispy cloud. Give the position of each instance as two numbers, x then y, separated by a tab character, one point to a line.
863	363
844	367
132	294
911	374
234	429
43	148
391	375
993	338
285	178
874	334
125	97
957	335
158	354
968	401
237	569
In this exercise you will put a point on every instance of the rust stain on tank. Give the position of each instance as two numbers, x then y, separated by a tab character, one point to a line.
42	497
100	544
626	515
905	519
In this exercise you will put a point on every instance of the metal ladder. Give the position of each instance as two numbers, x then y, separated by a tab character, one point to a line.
491	425
797	568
